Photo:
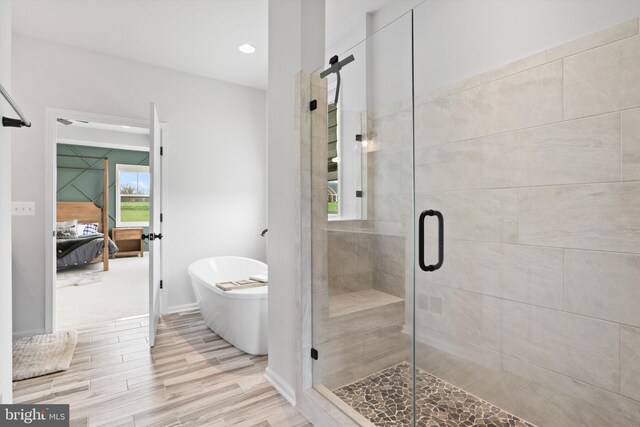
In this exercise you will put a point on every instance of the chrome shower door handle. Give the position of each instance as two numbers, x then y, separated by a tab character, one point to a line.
423	215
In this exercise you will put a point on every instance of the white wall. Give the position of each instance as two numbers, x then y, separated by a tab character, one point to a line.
5	208
215	159
294	44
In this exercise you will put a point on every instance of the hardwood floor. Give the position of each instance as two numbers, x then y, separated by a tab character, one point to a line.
191	377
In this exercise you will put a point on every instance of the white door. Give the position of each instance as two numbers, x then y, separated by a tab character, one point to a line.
155	226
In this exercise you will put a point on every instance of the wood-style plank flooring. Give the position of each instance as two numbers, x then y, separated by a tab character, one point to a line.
191	377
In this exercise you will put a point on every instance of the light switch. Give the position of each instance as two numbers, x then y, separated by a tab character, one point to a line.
23	208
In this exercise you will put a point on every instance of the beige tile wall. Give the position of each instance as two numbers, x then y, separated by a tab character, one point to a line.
359	267
536	168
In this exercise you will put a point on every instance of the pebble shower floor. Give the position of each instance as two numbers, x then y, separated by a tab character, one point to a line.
385	399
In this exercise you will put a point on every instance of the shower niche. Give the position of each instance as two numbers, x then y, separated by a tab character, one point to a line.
346	140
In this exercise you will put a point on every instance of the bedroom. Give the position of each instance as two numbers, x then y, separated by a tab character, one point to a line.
90	287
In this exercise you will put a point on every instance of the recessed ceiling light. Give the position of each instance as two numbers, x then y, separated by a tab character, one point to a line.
246	48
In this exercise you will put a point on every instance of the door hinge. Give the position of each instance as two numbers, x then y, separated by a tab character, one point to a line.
160	217
160	284
313	105
358	193
314	354
162	151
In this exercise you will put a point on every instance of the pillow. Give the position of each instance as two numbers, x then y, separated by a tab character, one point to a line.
67	229
80	229
89	229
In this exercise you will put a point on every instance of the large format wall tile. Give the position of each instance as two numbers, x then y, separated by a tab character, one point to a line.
630	141
468	265
603	79
527	274
577	151
466	315
630	362
349	261
462	165
582	348
530	98
561	401
395	207
591	216
391	171
484	215
393	131
533	275
603	285
388	254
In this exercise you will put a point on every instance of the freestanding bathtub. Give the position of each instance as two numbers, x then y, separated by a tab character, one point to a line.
238	316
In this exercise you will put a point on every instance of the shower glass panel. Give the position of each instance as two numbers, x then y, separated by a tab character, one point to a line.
528	147
363	264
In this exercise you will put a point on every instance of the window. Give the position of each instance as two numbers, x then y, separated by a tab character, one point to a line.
132	195
333	207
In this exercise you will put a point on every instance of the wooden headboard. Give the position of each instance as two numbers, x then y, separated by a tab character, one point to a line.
84	212
88	212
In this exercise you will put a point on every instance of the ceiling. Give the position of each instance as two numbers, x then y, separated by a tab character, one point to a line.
195	36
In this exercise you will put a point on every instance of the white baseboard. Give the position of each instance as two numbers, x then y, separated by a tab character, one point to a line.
181	308
280	385
29	333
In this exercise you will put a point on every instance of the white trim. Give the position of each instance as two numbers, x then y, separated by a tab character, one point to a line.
164	203
102	144
28	333
280	385
129	168
181	308
50	185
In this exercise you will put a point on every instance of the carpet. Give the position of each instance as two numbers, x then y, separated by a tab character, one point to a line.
88	295
43	354
85	277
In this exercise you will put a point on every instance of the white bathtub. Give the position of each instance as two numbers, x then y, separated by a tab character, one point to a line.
238	316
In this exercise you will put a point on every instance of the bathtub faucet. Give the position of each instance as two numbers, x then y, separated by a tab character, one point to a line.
264	232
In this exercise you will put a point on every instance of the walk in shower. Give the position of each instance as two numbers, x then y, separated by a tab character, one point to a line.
475	223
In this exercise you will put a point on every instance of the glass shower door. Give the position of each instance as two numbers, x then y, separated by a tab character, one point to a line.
528	148
362	228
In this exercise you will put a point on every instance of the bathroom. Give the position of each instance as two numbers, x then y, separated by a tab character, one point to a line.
443	194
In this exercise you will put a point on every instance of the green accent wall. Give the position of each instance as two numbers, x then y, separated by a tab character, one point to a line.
76	185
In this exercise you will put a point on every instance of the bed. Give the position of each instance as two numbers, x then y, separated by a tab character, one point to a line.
85	249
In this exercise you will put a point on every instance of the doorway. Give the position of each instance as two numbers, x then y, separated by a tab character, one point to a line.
104	184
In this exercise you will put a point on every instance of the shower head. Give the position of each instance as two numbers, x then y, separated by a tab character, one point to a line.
335	67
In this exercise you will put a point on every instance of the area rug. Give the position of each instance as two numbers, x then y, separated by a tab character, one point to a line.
43	354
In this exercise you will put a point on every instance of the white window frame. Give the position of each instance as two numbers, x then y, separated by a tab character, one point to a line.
127	168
